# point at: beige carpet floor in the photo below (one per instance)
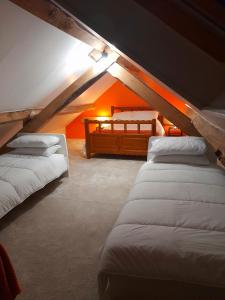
(55, 236)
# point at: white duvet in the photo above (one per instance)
(172, 227)
(22, 175)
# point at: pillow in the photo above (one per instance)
(124, 115)
(144, 115)
(37, 151)
(185, 145)
(34, 141)
(136, 115)
(181, 159)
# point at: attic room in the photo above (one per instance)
(112, 145)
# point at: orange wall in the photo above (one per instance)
(117, 95)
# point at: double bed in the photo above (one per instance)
(126, 133)
(169, 239)
(23, 175)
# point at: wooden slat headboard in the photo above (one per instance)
(133, 108)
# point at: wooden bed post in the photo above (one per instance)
(87, 138)
(153, 127)
(112, 110)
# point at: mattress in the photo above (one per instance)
(172, 228)
(22, 175)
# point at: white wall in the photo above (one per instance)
(37, 60)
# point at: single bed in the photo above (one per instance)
(126, 133)
(169, 239)
(23, 175)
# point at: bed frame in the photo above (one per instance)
(123, 142)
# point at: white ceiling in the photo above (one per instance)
(37, 61)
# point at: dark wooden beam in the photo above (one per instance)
(54, 15)
(200, 22)
(77, 108)
(155, 100)
(7, 131)
(71, 93)
(67, 110)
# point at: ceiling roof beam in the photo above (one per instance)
(71, 93)
(7, 117)
(23, 115)
(70, 109)
(8, 131)
(155, 100)
(56, 16)
(77, 108)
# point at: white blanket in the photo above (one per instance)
(22, 175)
(172, 227)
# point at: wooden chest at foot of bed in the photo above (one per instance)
(126, 144)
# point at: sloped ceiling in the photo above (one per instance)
(37, 61)
(167, 55)
(59, 122)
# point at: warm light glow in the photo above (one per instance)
(115, 70)
(103, 118)
(102, 63)
(77, 60)
(104, 126)
(187, 105)
(103, 113)
(95, 55)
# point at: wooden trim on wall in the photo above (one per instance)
(77, 108)
(73, 91)
(7, 117)
(155, 100)
(24, 115)
(67, 110)
(56, 16)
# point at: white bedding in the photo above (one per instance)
(22, 175)
(172, 227)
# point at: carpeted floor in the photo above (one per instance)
(55, 236)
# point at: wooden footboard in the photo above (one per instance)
(113, 141)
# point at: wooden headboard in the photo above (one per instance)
(133, 108)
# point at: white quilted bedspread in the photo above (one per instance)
(172, 227)
(22, 175)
